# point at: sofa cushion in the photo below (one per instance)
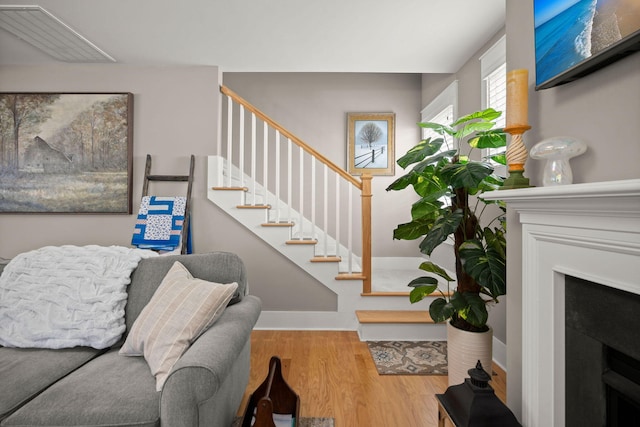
(26, 372)
(181, 309)
(219, 267)
(111, 390)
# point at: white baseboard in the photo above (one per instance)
(307, 320)
(500, 353)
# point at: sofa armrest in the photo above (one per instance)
(217, 360)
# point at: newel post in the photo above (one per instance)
(366, 232)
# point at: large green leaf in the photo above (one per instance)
(404, 181)
(441, 310)
(475, 311)
(440, 158)
(473, 127)
(412, 230)
(494, 138)
(429, 183)
(426, 208)
(496, 240)
(487, 115)
(500, 158)
(422, 288)
(490, 183)
(468, 175)
(430, 267)
(438, 128)
(487, 266)
(442, 228)
(425, 148)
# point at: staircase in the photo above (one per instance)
(303, 206)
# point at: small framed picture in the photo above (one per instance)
(370, 143)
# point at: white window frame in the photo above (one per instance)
(494, 58)
(448, 97)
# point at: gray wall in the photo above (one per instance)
(175, 115)
(603, 109)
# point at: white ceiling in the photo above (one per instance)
(412, 36)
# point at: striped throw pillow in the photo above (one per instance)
(179, 311)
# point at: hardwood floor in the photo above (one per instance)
(334, 375)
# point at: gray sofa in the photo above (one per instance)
(88, 387)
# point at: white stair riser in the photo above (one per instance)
(402, 331)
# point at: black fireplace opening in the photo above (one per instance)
(622, 379)
(602, 355)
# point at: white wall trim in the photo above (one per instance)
(449, 96)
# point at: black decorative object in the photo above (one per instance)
(474, 403)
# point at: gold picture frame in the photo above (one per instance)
(371, 143)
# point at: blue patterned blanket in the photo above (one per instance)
(160, 222)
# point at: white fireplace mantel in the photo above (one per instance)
(590, 231)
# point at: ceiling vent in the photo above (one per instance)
(41, 29)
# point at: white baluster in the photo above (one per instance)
(277, 177)
(301, 184)
(253, 156)
(265, 163)
(325, 215)
(229, 140)
(313, 197)
(241, 146)
(289, 192)
(337, 195)
(350, 228)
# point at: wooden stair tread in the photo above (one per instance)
(230, 188)
(393, 316)
(278, 224)
(253, 206)
(401, 294)
(302, 242)
(352, 276)
(326, 259)
(386, 294)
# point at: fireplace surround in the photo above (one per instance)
(587, 231)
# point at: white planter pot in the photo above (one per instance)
(464, 349)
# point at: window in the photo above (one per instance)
(443, 109)
(494, 88)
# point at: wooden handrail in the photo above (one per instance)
(356, 183)
(363, 184)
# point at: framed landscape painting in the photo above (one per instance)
(370, 143)
(66, 152)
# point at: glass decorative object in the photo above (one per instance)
(557, 151)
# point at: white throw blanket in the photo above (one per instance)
(66, 296)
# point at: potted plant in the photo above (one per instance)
(450, 186)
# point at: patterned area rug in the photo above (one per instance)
(409, 357)
(304, 422)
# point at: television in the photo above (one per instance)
(574, 38)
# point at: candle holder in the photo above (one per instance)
(516, 157)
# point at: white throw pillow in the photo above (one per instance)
(179, 311)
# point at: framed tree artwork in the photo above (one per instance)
(370, 143)
(66, 152)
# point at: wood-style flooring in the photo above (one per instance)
(334, 375)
